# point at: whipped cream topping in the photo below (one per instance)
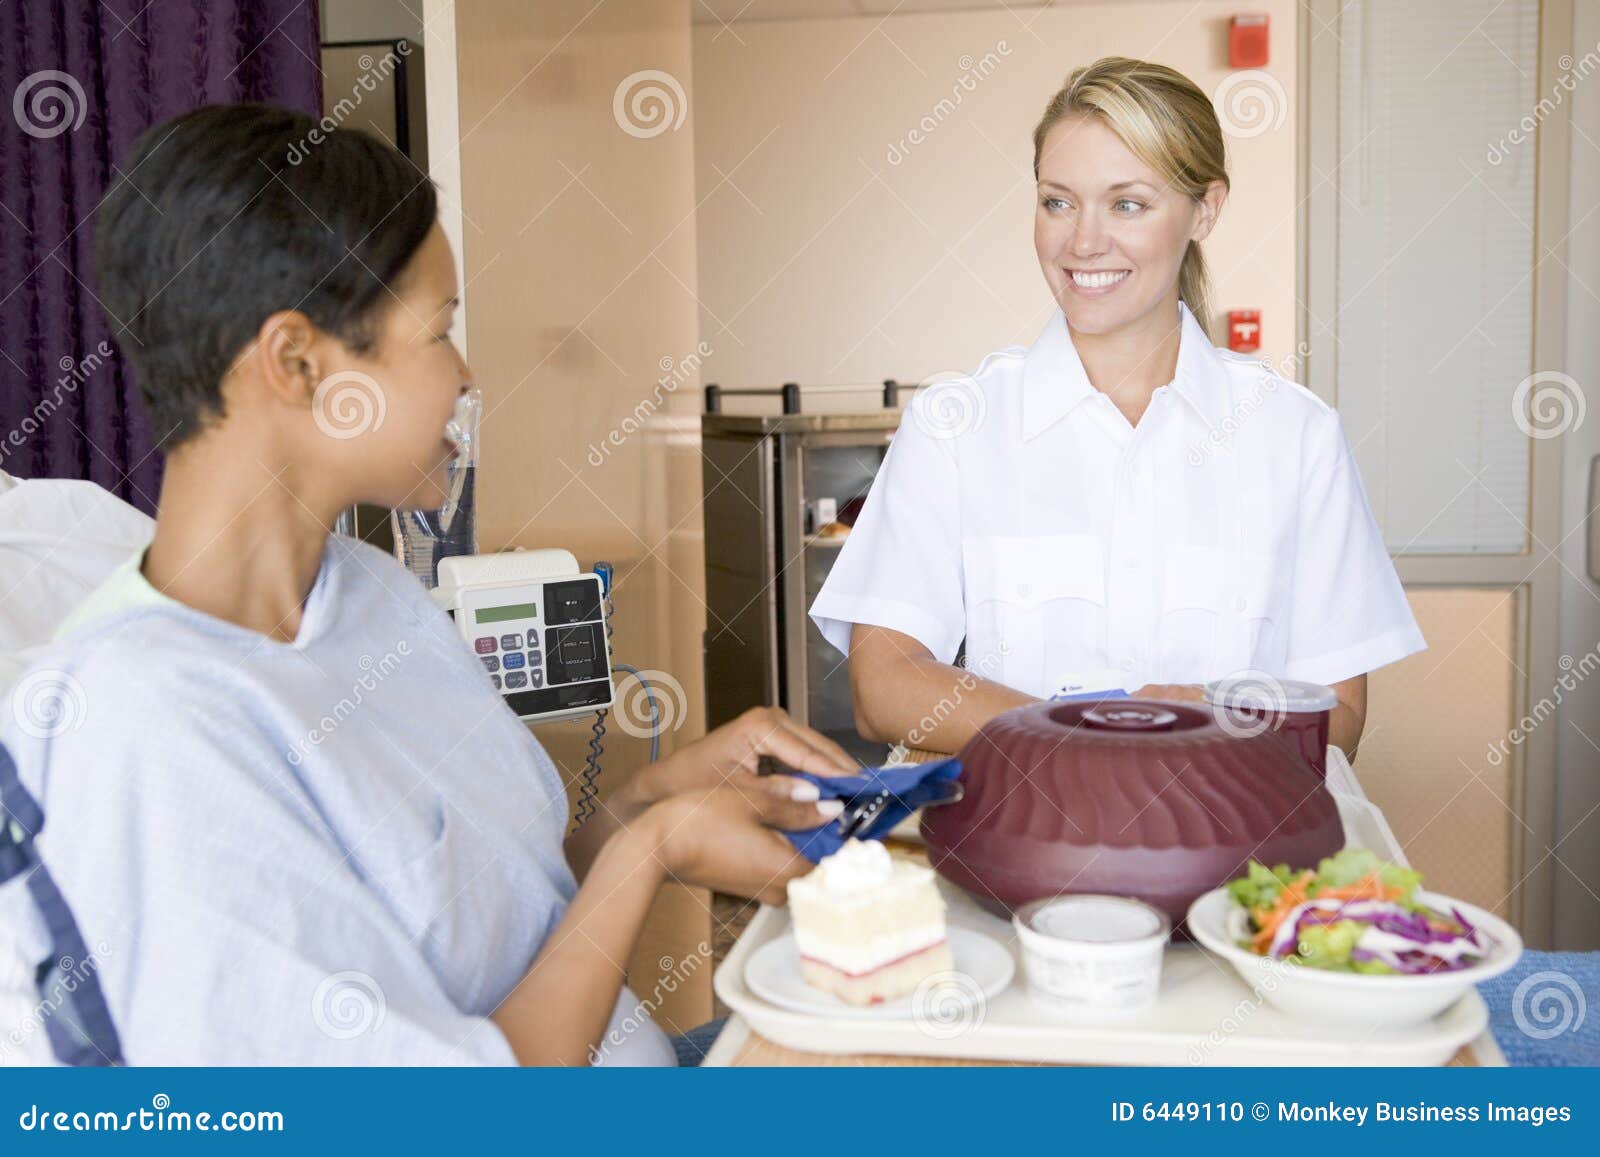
(859, 866)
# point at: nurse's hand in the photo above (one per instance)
(1184, 692)
(728, 839)
(731, 754)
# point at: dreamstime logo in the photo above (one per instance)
(948, 405)
(49, 703)
(948, 1004)
(649, 103)
(347, 1005)
(373, 672)
(373, 74)
(1267, 383)
(74, 372)
(674, 973)
(49, 103)
(1573, 672)
(348, 404)
(972, 72)
(1250, 103)
(1571, 73)
(1548, 404)
(654, 703)
(64, 979)
(1270, 975)
(1248, 703)
(966, 681)
(674, 373)
(1547, 1004)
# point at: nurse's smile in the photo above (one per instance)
(1096, 283)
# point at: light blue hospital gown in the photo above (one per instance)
(344, 850)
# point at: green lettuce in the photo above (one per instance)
(1329, 945)
(1260, 885)
(1352, 864)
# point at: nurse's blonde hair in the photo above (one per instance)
(1167, 122)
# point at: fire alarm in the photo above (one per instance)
(1247, 40)
(1244, 330)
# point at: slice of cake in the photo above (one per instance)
(869, 927)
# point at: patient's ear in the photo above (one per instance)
(287, 354)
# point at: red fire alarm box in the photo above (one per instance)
(1244, 330)
(1247, 40)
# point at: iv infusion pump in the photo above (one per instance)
(537, 624)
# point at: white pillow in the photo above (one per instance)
(59, 539)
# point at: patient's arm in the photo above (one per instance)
(902, 694)
(718, 839)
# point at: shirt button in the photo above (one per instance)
(1024, 589)
(1127, 664)
(1239, 604)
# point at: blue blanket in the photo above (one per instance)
(1545, 1012)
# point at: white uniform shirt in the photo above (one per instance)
(1227, 532)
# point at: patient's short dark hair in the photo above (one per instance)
(225, 215)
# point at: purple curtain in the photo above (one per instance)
(80, 79)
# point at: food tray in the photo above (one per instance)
(1206, 1014)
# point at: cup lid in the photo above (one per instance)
(1094, 919)
(1263, 692)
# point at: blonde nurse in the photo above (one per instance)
(1120, 504)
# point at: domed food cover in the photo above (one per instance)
(1126, 797)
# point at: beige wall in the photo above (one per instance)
(580, 271)
(823, 260)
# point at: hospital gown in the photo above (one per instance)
(344, 850)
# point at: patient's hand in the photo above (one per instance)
(730, 755)
(728, 838)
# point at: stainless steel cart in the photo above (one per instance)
(769, 481)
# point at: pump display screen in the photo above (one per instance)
(502, 614)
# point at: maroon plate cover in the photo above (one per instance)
(1126, 797)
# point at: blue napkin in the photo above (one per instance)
(910, 786)
(1545, 1012)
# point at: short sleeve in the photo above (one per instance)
(224, 922)
(901, 566)
(1350, 614)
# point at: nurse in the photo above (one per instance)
(282, 799)
(1120, 504)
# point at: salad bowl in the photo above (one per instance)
(1365, 995)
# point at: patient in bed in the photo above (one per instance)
(294, 820)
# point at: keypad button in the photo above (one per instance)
(496, 679)
(514, 660)
(515, 679)
(510, 642)
(536, 678)
(484, 645)
(490, 662)
(533, 660)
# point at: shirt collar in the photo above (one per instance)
(1054, 382)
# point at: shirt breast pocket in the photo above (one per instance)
(1222, 612)
(408, 860)
(1030, 600)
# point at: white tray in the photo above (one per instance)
(1206, 1014)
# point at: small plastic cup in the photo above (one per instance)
(1092, 957)
(1296, 709)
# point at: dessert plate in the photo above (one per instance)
(983, 968)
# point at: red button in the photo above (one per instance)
(485, 645)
